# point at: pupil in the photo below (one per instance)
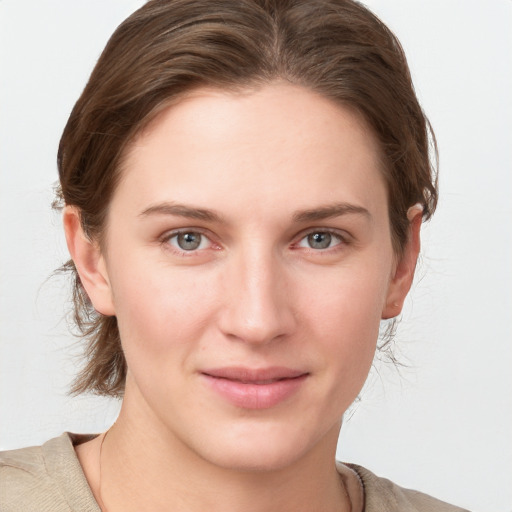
(319, 240)
(189, 241)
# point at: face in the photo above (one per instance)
(248, 260)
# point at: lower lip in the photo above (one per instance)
(255, 396)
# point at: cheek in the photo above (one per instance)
(348, 299)
(344, 315)
(350, 337)
(162, 318)
(160, 309)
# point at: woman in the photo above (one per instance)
(243, 187)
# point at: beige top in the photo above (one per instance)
(49, 478)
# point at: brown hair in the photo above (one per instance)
(334, 47)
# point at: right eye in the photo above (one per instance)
(188, 241)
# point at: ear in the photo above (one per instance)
(401, 281)
(89, 262)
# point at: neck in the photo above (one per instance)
(145, 467)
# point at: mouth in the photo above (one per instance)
(255, 388)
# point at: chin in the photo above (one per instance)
(253, 458)
(261, 448)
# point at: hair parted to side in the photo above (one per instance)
(337, 48)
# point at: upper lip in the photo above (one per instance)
(254, 376)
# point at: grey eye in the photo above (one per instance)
(320, 240)
(188, 241)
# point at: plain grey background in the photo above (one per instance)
(443, 423)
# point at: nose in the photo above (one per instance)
(258, 303)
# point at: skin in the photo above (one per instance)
(271, 166)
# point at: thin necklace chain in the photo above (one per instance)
(100, 498)
(348, 501)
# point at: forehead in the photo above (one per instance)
(254, 145)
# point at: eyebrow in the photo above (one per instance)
(182, 210)
(311, 215)
(329, 211)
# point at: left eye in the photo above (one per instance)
(320, 240)
(189, 241)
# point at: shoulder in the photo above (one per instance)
(382, 495)
(44, 478)
(24, 479)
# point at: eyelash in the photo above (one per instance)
(166, 239)
(342, 240)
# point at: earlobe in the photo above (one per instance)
(89, 262)
(404, 272)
